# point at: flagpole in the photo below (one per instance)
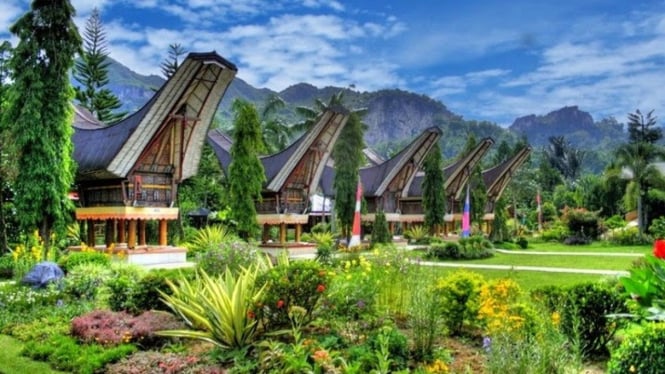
(466, 216)
(540, 211)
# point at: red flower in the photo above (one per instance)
(320, 288)
(659, 248)
(280, 304)
(251, 315)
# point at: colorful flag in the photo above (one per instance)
(466, 216)
(355, 235)
(540, 212)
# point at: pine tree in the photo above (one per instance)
(91, 70)
(434, 199)
(40, 115)
(172, 62)
(246, 174)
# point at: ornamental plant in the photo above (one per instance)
(646, 283)
(640, 352)
(297, 283)
(459, 297)
(219, 310)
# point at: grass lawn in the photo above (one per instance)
(597, 246)
(559, 261)
(13, 362)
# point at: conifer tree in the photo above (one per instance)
(348, 156)
(434, 199)
(246, 174)
(6, 169)
(172, 62)
(380, 230)
(91, 70)
(40, 114)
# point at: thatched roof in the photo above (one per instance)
(196, 88)
(300, 163)
(496, 178)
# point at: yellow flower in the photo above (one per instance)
(632, 369)
(556, 318)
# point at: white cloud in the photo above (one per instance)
(9, 12)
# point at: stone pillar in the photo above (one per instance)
(163, 232)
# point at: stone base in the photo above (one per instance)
(156, 255)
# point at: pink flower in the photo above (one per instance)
(280, 304)
(320, 288)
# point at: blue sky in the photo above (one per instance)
(485, 60)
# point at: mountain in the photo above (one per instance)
(576, 125)
(394, 117)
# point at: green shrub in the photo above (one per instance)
(208, 238)
(154, 284)
(615, 222)
(380, 231)
(416, 235)
(657, 228)
(298, 283)
(522, 242)
(584, 310)
(557, 232)
(640, 352)
(583, 223)
(444, 251)
(64, 353)
(123, 287)
(320, 227)
(6, 266)
(628, 236)
(458, 294)
(471, 248)
(73, 259)
(87, 280)
(232, 254)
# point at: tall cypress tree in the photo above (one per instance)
(91, 70)
(7, 171)
(40, 115)
(434, 199)
(348, 156)
(246, 174)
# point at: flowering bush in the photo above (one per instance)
(87, 280)
(353, 289)
(149, 362)
(29, 253)
(17, 299)
(86, 255)
(459, 297)
(640, 352)
(113, 328)
(233, 254)
(299, 283)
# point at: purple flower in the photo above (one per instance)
(59, 303)
(360, 304)
(487, 343)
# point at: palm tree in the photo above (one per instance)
(311, 114)
(638, 155)
(276, 133)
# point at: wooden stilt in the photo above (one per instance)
(142, 242)
(266, 233)
(282, 233)
(91, 233)
(109, 232)
(122, 237)
(163, 232)
(131, 234)
(298, 232)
